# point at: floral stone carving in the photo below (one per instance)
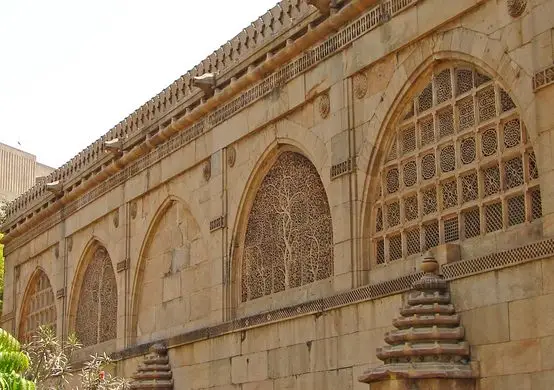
(289, 236)
(96, 317)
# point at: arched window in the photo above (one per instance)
(289, 236)
(457, 166)
(39, 307)
(96, 316)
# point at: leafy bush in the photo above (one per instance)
(51, 367)
(13, 363)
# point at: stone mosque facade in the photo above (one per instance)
(348, 194)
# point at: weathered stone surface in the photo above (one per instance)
(310, 312)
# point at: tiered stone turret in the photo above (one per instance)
(155, 373)
(428, 342)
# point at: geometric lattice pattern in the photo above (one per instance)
(39, 308)
(289, 236)
(458, 166)
(96, 316)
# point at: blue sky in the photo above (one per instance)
(71, 70)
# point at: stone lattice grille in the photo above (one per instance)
(289, 236)
(96, 316)
(39, 308)
(459, 166)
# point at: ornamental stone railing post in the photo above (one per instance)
(155, 372)
(427, 350)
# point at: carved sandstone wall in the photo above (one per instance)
(187, 221)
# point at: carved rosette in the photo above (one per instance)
(155, 371)
(429, 341)
(324, 105)
(360, 85)
(516, 7)
(231, 156)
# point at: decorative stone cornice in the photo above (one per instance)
(193, 123)
(428, 341)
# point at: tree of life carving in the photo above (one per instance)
(96, 316)
(289, 236)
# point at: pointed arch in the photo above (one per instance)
(39, 305)
(454, 162)
(93, 310)
(173, 243)
(284, 232)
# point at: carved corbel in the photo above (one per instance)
(206, 83)
(55, 187)
(324, 6)
(114, 146)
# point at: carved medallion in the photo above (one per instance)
(207, 171)
(231, 156)
(360, 85)
(516, 7)
(324, 105)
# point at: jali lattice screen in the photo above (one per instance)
(289, 237)
(96, 316)
(39, 308)
(459, 165)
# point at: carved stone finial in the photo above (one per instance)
(155, 371)
(206, 83)
(428, 343)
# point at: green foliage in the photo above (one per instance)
(50, 359)
(1, 274)
(51, 367)
(13, 363)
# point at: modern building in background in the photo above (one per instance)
(19, 171)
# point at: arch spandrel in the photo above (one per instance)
(94, 309)
(39, 306)
(455, 163)
(288, 239)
